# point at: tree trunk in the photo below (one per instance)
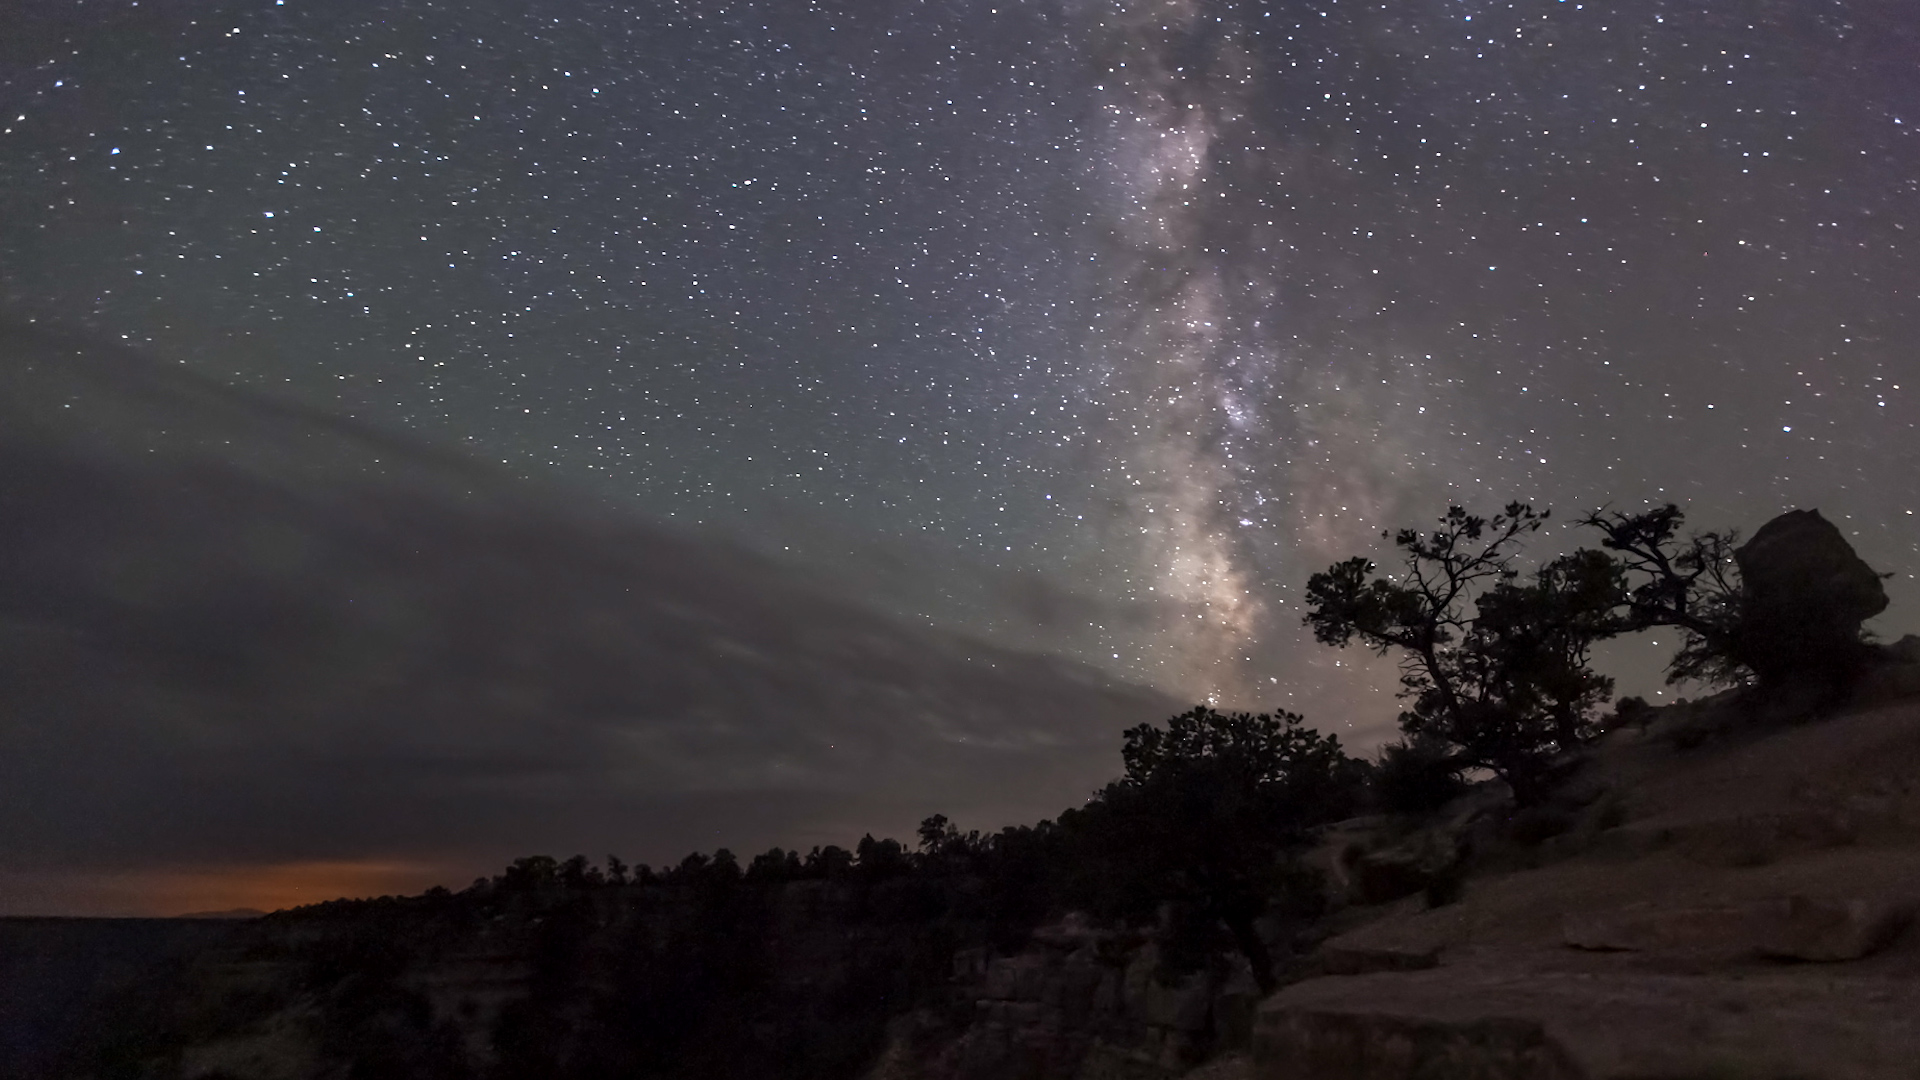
(1255, 950)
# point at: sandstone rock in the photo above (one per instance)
(1015, 978)
(1496, 1024)
(1110, 996)
(1234, 1066)
(1023, 1014)
(1339, 958)
(1105, 1061)
(1758, 839)
(1137, 979)
(1802, 928)
(1387, 874)
(1799, 557)
(1074, 931)
(971, 963)
(1789, 928)
(1645, 927)
(1186, 1007)
(1806, 594)
(1234, 1006)
(1079, 981)
(1374, 1046)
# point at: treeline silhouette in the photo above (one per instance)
(792, 965)
(784, 964)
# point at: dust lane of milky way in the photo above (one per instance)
(1088, 326)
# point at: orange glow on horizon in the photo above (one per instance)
(185, 890)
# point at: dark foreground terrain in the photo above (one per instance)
(1708, 895)
(56, 975)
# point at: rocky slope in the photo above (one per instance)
(1715, 892)
(1723, 901)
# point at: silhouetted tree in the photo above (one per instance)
(1492, 663)
(530, 874)
(1417, 775)
(774, 865)
(1785, 608)
(1690, 583)
(578, 873)
(1206, 819)
(937, 834)
(829, 861)
(880, 858)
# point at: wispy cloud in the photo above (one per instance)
(238, 635)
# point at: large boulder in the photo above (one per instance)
(1387, 874)
(1805, 594)
(1800, 560)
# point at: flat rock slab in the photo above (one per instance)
(1466, 1023)
(1341, 957)
(1787, 928)
(1648, 928)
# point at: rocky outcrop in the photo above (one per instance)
(1799, 565)
(1739, 908)
(1080, 1003)
(1388, 873)
(1377, 860)
(1743, 907)
(1804, 596)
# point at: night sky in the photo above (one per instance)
(1087, 328)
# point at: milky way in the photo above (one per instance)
(1093, 327)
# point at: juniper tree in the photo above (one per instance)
(1494, 663)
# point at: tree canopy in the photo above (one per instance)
(1495, 663)
(1205, 822)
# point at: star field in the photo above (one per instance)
(1089, 325)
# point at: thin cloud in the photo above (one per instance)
(242, 635)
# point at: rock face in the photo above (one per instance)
(1806, 594)
(1080, 1003)
(1801, 558)
(1385, 874)
(1464, 1023)
(1366, 869)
